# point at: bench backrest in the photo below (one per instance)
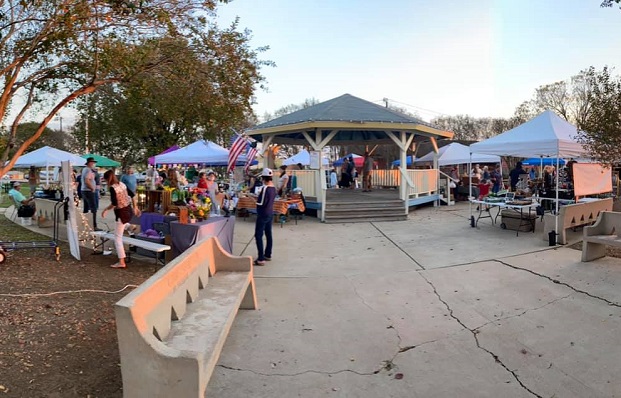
(584, 213)
(164, 297)
(608, 223)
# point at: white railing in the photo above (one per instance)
(424, 182)
(306, 179)
(386, 178)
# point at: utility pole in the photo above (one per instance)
(386, 101)
(86, 135)
(60, 119)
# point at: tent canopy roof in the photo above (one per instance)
(456, 153)
(545, 135)
(354, 119)
(102, 161)
(48, 156)
(202, 152)
(170, 149)
(302, 157)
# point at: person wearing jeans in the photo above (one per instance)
(265, 211)
(89, 190)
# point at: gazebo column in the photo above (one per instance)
(267, 141)
(318, 143)
(435, 167)
(403, 142)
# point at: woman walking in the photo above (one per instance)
(122, 200)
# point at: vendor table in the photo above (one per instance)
(185, 235)
(45, 212)
(485, 211)
(281, 206)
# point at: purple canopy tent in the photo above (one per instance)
(152, 158)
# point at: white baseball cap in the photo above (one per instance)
(267, 173)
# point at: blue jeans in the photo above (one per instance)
(263, 225)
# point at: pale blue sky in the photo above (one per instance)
(481, 58)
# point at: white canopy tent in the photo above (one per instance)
(546, 135)
(302, 157)
(199, 152)
(46, 157)
(456, 153)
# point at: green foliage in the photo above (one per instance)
(609, 3)
(205, 90)
(54, 51)
(601, 133)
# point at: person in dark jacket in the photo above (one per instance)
(265, 212)
(515, 174)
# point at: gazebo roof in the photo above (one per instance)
(354, 119)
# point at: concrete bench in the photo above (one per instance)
(605, 232)
(573, 216)
(150, 246)
(171, 329)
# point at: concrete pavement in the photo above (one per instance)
(428, 307)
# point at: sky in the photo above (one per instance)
(481, 58)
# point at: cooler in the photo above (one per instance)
(515, 221)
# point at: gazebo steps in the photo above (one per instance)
(365, 211)
(338, 220)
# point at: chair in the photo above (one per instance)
(16, 206)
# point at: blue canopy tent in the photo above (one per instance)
(542, 161)
(408, 162)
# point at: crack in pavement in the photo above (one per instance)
(523, 312)
(476, 338)
(297, 374)
(612, 303)
(398, 247)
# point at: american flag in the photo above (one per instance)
(250, 155)
(237, 148)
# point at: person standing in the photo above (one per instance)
(212, 190)
(496, 179)
(265, 213)
(129, 179)
(123, 201)
(367, 170)
(351, 171)
(515, 174)
(345, 177)
(33, 180)
(333, 179)
(89, 190)
(202, 180)
(283, 180)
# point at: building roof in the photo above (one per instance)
(356, 121)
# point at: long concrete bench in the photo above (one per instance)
(145, 244)
(605, 232)
(573, 216)
(171, 328)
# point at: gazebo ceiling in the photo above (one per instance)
(354, 120)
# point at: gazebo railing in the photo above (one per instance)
(306, 180)
(425, 182)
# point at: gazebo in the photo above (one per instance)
(348, 120)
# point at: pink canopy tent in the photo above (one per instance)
(152, 158)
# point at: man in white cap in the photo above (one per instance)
(18, 196)
(265, 213)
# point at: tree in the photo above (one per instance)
(609, 3)
(54, 51)
(205, 93)
(600, 132)
(58, 139)
(567, 98)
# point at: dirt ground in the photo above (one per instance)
(57, 339)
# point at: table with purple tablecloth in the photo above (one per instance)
(185, 235)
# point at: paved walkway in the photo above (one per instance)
(427, 307)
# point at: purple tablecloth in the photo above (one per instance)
(185, 235)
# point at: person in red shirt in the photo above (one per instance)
(202, 181)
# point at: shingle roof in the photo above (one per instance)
(345, 108)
